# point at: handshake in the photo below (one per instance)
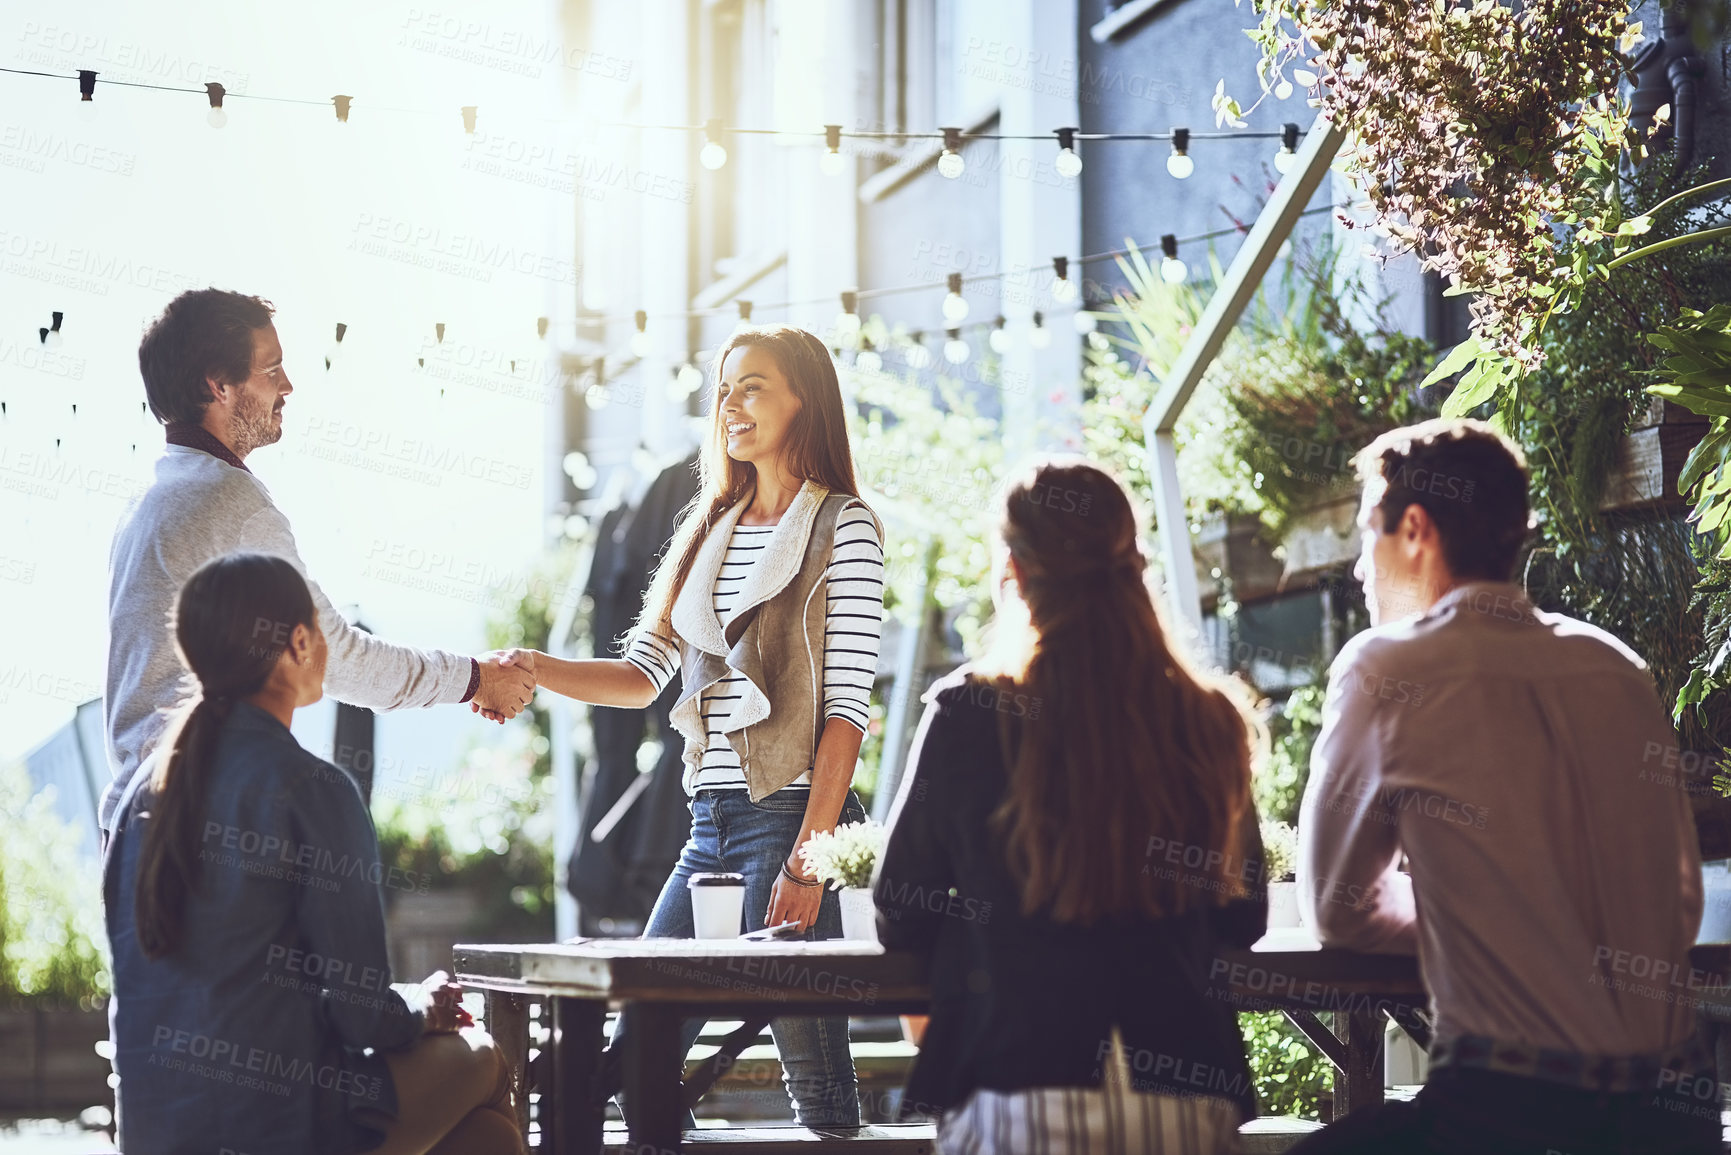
(507, 684)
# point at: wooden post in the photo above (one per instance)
(576, 1042)
(508, 1023)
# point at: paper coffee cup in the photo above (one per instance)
(717, 904)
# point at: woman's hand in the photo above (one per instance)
(791, 901)
(444, 1009)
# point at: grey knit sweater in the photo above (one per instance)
(200, 508)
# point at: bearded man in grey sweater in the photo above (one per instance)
(213, 374)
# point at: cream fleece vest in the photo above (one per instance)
(774, 638)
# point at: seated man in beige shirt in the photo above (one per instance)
(1512, 756)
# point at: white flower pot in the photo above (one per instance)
(1282, 904)
(858, 915)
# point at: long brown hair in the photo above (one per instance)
(232, 619)
(1121, 740)
(817, 450)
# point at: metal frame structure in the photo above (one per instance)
(1243, 277)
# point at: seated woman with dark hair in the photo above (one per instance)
(253, 1009)
(1030, 856)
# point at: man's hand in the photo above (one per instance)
(507, 684)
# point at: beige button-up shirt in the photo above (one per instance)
(1523, 763)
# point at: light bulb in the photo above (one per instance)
(918, 357)
(87, 109)
(1283, 90)
(690, 378)
(999, 341)
(216, 118)
(1173, 271)
(641, 345)
(1085, 321)
(1063, 290)
(1068, 163)
(1180, 166)
(951, 164)
(1040, 337)
(868, 361)
(1283, 160)
(832, 163)
(955, 308)
(596, 396)
(53, 340)
(712, 157)
(846, 324)
(956, 350)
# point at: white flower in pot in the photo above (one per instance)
(1280, 860)
(844, 858)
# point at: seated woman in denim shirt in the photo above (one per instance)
(253, 1009)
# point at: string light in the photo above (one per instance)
(999, 338)
(713, 155)
(51, 338)
(950, 162)
(1172, 270)
(1288, 154)
(595, 396)
(86, 93)
(690, 378)
(1039, 336)
(744, 312)
(1068, 165)
(847, 321)
(955, 349)
(336, 347)
(917, 356)
(641, 345)
(955, 305)
(1179, 163)
(867, 359)
(541, 327)
(216, 117)
(469, 111)
(1085, 322)
(832, 161)
(342, 105)
(439, 331)
(1063, 288)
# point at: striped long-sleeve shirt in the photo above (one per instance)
(853, 623)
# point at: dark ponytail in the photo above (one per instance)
(232, 620)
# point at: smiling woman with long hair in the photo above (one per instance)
(1073, 837)
(769, 602)
(253, 1008)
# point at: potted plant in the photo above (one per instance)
(844, 858)
(1280, 859)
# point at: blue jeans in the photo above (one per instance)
(730, 832)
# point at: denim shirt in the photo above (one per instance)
(250, 1035)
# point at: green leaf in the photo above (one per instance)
(1457, 360)
(1709, 454)
(1709, 404)
(1693, 691)
(1475, 389)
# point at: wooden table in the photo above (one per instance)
(1289, 971)
(670, 980)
